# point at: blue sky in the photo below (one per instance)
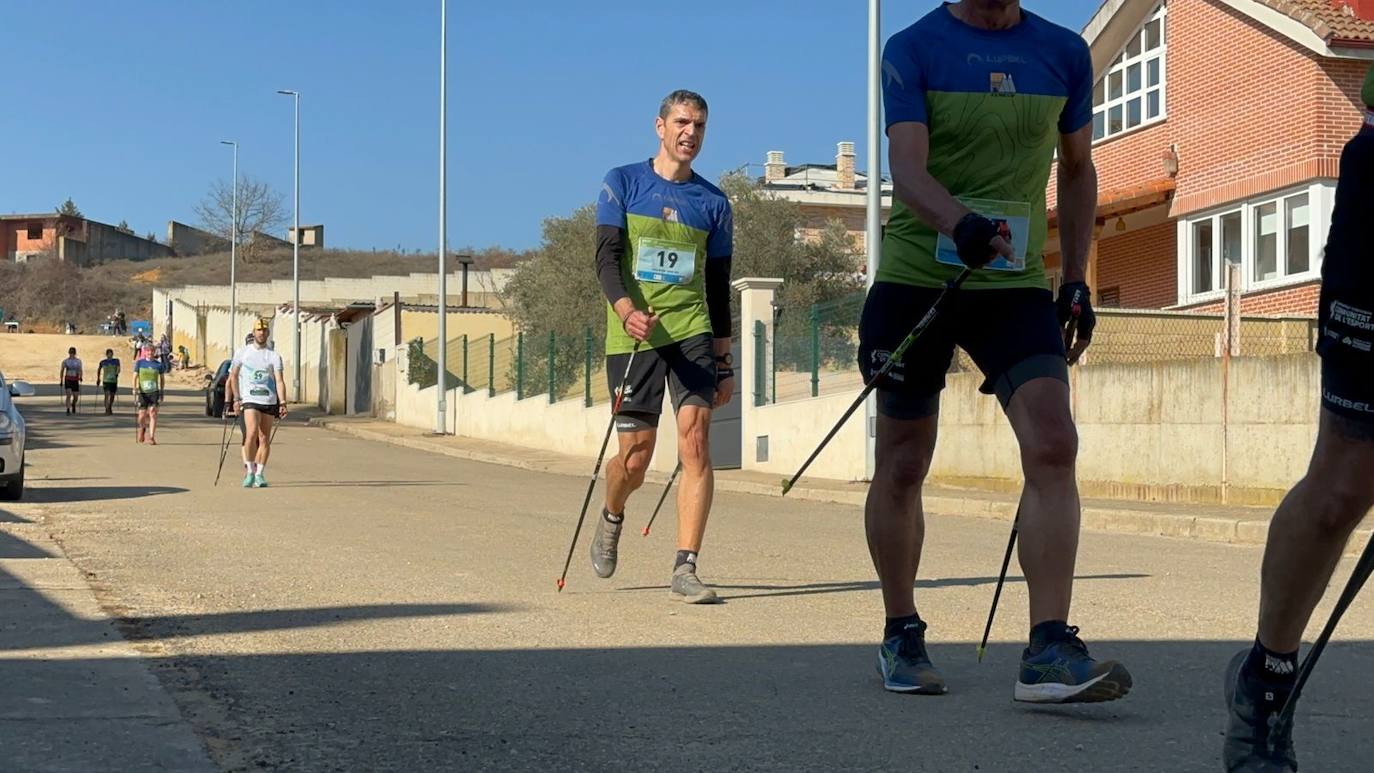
(122, 105)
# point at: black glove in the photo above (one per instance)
(1075, 310)
(973, 237)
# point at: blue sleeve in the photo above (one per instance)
(610, 203)
(1078, 109)
(721, 242)
(904, 83)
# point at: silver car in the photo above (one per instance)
(12, 439)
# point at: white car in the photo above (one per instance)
(12, 439)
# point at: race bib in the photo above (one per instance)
(259, 384)
(665, 262)
(147, 384)
(1013, 224)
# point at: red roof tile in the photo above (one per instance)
(1335, 21)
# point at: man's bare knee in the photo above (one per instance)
(636, 460)
(694, 447)
(1053, 447)
(903, 468)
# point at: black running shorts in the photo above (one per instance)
(72, 385)
(1346, 345)
(688, 367)
(146, 400)
(111, 388)
(1013, 335)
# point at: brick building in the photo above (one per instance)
(73, 239)
(1218, 129)
(826, 192)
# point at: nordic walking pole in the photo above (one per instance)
(224, 438)
(666, 489)
(1001, 578)
(1363, 568)
(1016, 522)
(615, 408)
(872, 384)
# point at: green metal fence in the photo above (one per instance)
(813, 351)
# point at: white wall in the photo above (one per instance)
(566, 427)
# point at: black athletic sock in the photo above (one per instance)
(896, 625)
(1266, 665)
(685, 557)
(610, 518)
(1044, 634)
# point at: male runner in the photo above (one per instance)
(664, 241)
(1311, 526)
(255, 388)
(108, 373)
(978, 95)
(70, 376)
(149, 382)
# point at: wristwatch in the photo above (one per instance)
(727, 359)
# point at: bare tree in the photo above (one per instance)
(260, 210)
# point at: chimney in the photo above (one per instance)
(844, 166)
(775, 169)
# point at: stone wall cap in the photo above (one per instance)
(756, 283)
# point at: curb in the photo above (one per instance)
(1232, 531)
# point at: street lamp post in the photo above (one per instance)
(234, 256)
(441, 424)
(874, 236)
(296, 253)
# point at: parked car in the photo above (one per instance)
(12, 435)
(214, 390)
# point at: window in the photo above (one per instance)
(35, 231)
(1271, 239)
(1204, 277)
(1298, 245)
(1109, 297)
(1131, 92)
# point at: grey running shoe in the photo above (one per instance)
(688, 589)
(605, 545)
(905, 666)
(1254, 741)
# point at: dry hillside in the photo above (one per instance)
(45, 294)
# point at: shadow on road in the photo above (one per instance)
(14, 547)
(810, 589)
(7, 517)
(364, 483)
(97, 493)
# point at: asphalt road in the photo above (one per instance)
(380, 608)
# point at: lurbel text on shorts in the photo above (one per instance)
(1352, 316)
(1350, 405)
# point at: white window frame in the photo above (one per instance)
(1321, 197)
(1122, 64)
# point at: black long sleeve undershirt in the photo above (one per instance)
(718, 295)
(610, 254)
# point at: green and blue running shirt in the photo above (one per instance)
(995, 103)
(148, 376)
(671, 230)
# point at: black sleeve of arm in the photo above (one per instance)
(610, 254)
(718, 295)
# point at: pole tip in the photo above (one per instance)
(786, 487)
(560, 584)
(981, 650)
(646, 531)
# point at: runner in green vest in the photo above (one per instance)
(149, 379)
(108, 374)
